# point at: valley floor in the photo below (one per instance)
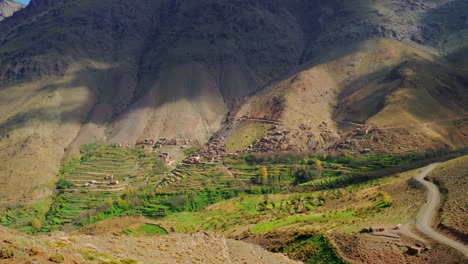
(312, 208)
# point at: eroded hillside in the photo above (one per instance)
(106, 247)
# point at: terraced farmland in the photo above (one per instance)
(107, 181)
(242, 173)
(231, 176)
(103, 175)
(193, 177)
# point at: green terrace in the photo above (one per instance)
(106, 181)
(257, 194)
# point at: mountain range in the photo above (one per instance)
(182, 131)
(78, 72)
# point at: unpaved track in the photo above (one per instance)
(427, 213)
(458, 118)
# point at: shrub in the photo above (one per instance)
(57, 258)
(303, 175)
(318, 164)
(312, 249)
(262, 176)
(36, 224)
(128, 261)
(64, 184)
(177, 202)
(384, 200)
(34, 251)
(6, 252)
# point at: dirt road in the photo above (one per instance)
(425, 217)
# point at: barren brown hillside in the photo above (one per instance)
(408, 97)
(111, 248)
(451, 178)
(7, 8)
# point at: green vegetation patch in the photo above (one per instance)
(190, 151)
(105, 181)
(146, 230)
(266, 227)
(27, 219)
(246, 136)
(99, 257)
(91, 185)
(313, 249)
(57, 258)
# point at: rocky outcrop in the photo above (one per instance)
(201, 247)
(7, 8)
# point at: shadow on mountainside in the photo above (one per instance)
(263, 46)
(446, 25)
(368, 95)
(241, 47)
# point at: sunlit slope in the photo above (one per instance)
(380, 83)
(7, 8)
(77, 72)
(102, 247)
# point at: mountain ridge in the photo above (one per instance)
(112, 72)
(8, 8)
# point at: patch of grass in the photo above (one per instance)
(146, 230)
(190, 151)
(64, 184)
(313, 249)
(98, 257)
(21, 217)
(150, 229)
(246, 136)
(266, 227)
(70, 165)
(57, 258)
(384, 200)
(89, 148)
(7, 252)
(128, 261)
(245, 210)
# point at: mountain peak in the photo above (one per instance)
(8, 7)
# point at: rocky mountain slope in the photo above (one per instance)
(76, 72)
(110, 248)
(7, 8)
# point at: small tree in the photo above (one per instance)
(36, 224)
(110, 204)
(130, 192)
(302, 176)
(262, 175)
(318, 165)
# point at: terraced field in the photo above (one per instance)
(108, 181)
(282, 173)
(231, 176)
(186, 177)
(104, 174)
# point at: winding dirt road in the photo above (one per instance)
(426, 215)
